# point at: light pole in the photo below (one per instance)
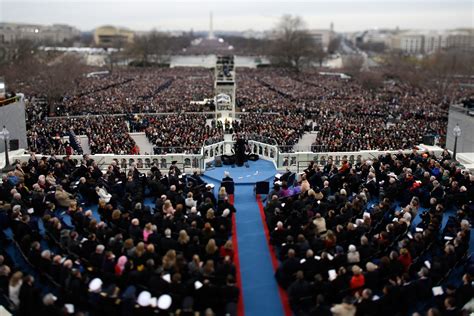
(456, 133)
(5, 135)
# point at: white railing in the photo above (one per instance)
(299, 160)
(186, 162)
(296, 161)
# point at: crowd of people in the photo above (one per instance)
(105, 134)
(128, 257)
(185, 133)
(342, 114)
(140, 91)
(275, 129)
(381, 237)
(346, 116)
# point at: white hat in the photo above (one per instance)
(210, 185)
(278, 182)
(95, 285)
(197, 285)
(278, 175)
(164, 302)
(144, 299)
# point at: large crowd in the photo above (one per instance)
(185, 133)
(59, 256)
(105, 134)
(275, 129)
(341, 113)
(376, 237)
(365, 239)
(344, 115)
(140, 91)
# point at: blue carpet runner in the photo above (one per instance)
(259, 287)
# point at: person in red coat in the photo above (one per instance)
(405, 258)
(227, 250)
(358, 280)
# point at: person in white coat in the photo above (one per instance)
(14, 287)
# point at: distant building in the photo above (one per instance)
(462, 40)
(322, 37)
(56, 33)
(410, 43)
(375, 37)
(109, 36)
(418, 42)
(434, 42)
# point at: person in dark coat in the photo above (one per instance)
(29, 297)
(285, 273)
(297, 292)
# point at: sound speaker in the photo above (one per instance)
(262, 187)
(429, 140)
(253, 157)
(218, 161)
(228, 159)
(14, 144)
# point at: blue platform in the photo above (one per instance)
(260, 170)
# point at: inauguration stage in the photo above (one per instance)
(260, 170)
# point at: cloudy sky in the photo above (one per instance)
(347, 15)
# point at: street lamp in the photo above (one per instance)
(5, 135)
(456, 133)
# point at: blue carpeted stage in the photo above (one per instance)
(259, 170)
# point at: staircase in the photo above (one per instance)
(143, 143)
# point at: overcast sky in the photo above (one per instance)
(347, 15)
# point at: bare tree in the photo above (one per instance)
(443, 68)
(150, 47)
(334, 44)
(370, 80)
(293, 46)
(352, 64)
(404, 69)
(21, 64)
(59, 78)
(248, 46)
